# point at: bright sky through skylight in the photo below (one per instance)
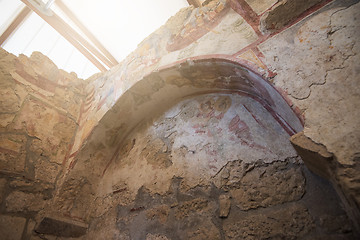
(120, 25)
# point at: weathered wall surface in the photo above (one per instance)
(316, 62)
(230, 30)
(304, 55)
(215, 166)
(308, 50)
(195, 140)
(39, 108)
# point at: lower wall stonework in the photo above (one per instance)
(209, 212)
(192, 184)
(39, 106)
(214, 166)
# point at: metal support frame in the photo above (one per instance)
(89, 51)
(87, 33)
(16, 23)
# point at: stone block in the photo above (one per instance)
(51, 127)
(189, 207)
(268, 186)
(30, 227)
(289, 222)
(204, 230)
(24, 202)
(12, 152)
(254, 185)
(46, 171)
(61, 227)
(11, 228)
(9, 101)
(6, 119)
(2, 188)
(315, 156)
(224, 205)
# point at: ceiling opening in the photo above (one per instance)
(83, 36)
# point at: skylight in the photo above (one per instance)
(118, 25)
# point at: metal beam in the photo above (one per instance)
(20, 18)
(87, 33)
(69, 34)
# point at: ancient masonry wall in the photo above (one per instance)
(122, 168)
(215, 166)
(308, 50)
(302, 47)
(39, 112)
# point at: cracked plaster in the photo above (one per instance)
(317, 64)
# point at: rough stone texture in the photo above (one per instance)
(11, 228)
(261, 185)
(224, 205)
(326, 87)
(290, 222)
(104, 227)
(23, 202)
(47, 125)
(283, 13)
(43, 166)
(12, 152)
(39, 107)
(30, 227)
(265, 186)
(316, 156)
(267, 198)
(183, 213)
(139, 154)
(3, 183)
(223, 128)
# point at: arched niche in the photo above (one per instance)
(151, 97)
(160, 90)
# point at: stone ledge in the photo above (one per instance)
(315, 156)
(61, 227)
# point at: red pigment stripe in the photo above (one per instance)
(246, 12)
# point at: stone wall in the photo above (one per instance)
(39, 110)
(301, 48)
(214, 166)
(316, 64)
(227, 171)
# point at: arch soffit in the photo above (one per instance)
(158, 91)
